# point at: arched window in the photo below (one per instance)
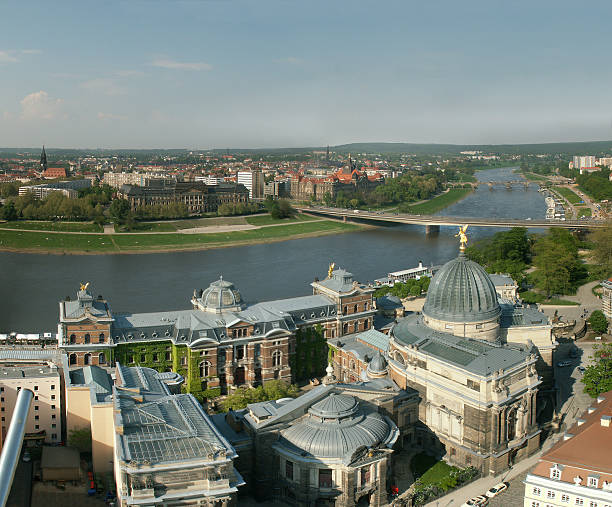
(398, 357)
(101, 358)
(345, 328)
(87, 338)
(355, 309)
(365, 324)
(205, 369)
(73, 359)
(87, 359)
(365, 306)
(276, 358)
(101, 338)
(352, 365)
(72, 338)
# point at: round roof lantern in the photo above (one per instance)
(221, 296)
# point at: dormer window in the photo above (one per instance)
(555, 472)
(593, 481)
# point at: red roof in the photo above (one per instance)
(54, 172)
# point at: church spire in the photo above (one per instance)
(43, 160)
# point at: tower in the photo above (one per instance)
(43, 160)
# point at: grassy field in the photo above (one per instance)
(439, 203)
(101, 243)
(52, 226)
(571, 197)
(533, 177)
(533, 297)
(269, 220)
(583, 212)
(148, 227)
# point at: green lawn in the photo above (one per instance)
(571, 196)
(52, 226)
(533, 297)
(55, 242)
(429, 469)
(533, 176)
(584, 212)
(438, 203)
(153, 241)
(269, 220)
(149, 227)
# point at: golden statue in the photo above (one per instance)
(462, 237)
(84, 286)
(331, 269)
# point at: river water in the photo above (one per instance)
(31, 285)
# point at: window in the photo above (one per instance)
(289, 469)
(167, 356)
(555, 473)
(155, 357)
(565, 498)
(325, 478)
(536, 491)
(184, 361)
(52, 387)
(36, 417)
(36, 407)
(592, 504)
(3, 418)
(276, 358)
(36, 427)
(550, 494)
(53, 396)
(101, 338)
(53, 425)
(72, 338)
(142, 358)
(448, 326)
(355, 309)
(54, 436)
(2, 409)
(52, 416)
(87, 338)
(101, 358)
(205, 369)
(36, 388)
(593, 481)
(1, 389)
(257, 350)
(579, 501)
(52, 407)
(535, 504)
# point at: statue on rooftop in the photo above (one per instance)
(84, 286)
(331, 269)
(462, 237)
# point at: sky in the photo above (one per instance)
(280, 73)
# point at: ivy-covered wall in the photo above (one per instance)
(310, 358)
(144, 355)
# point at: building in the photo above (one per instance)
(331, 446)
(584, 163)
(606, 298)
(407, 274)
(45, 417)
(505, 287)
(197, 197)
(117, 180)
(577, 470)
(221, 342)
(253, 181)
(276, 189)
(52, 173)
(473, 362)
(69, 188)
(167, 450)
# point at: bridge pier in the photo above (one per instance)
(432, 230)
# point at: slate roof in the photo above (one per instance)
(516, 316)
(340, 281)
(74, 309)
(93, 377)
(477, 356)
(498, 280)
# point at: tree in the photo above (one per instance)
(597, 377)
(602, 251)
(271, 390)
(8, 211)
(598, 322)
(81, 439)
(119, 210)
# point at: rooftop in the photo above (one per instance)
(12, 372)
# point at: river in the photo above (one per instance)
(31, 285)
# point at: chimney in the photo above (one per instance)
(580, 422)
(590, 410)
(567, 436)
(605, 421)
(600, 399)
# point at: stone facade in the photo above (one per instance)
(606, 298)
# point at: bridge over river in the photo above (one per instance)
(436, 221)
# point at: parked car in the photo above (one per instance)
(497, 489)
(477, 501)
(562, 364)
(581, 369)
(26, 457)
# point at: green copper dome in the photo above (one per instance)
(461, 292)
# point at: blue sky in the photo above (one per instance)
(216, 74)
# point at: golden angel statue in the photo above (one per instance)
(84, 286)
(331, 269)
(462, 237)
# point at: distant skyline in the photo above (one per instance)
(215, 74)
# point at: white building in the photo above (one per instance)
(577, 470)
(412, 273)
(253, 181)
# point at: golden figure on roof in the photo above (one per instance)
(331, 269)
(84, 286)
(462, 237)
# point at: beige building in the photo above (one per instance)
(45, 416)
(577, 470)
(505, 287)
(116, 180)
(606, 298)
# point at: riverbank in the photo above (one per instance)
(94, 244)
(440, 202)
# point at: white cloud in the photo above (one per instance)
(106, 86)
(129, 73)
(165, 63)
(111, 116)
(7, 57)
(40, 106)
(31, 51)
(292, 60)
